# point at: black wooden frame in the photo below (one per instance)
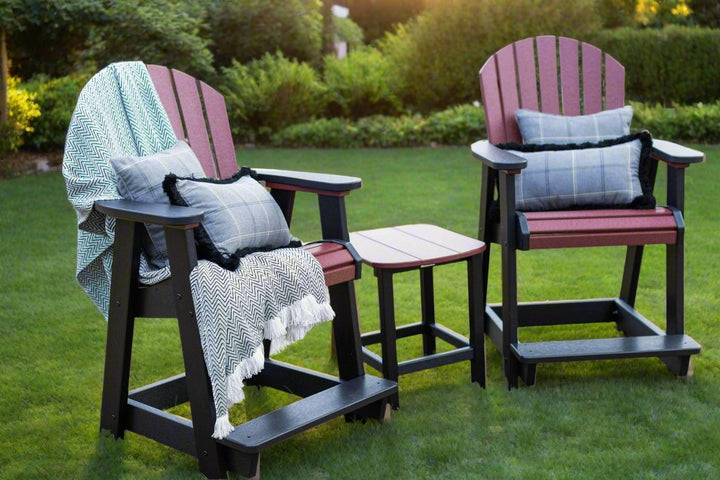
(642, 337)
(354, 394)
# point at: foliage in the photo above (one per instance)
(48, 36)
(436, 57)
(22, 109)
(657, 13)
(459, 125)
(706, 13)
(347, 31)
(689, 123)
(376, 17)
(56, 98)
(670, 65)
(165, 32)
(358, 84)
(270, 93)
(244, 30)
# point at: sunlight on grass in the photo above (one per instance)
(613, 419)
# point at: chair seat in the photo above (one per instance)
(337, 263)
(597, 228)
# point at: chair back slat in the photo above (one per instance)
(219, 124)
(614, 83)
(508, 91)
(166, 91)
(527, 77)
(547, 65)
(194, 119)
(569, 76)
(592, 79)
(551, 75)
(490, 93)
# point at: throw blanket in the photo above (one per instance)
(276, 295)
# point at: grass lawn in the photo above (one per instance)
(627, 419)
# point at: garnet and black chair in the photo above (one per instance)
(131, 109)
(580, 179)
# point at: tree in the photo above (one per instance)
(244, 30)
(50, 26)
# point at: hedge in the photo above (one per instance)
(672, 65)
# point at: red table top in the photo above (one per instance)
(408, 246)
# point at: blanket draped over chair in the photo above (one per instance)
(277, 295)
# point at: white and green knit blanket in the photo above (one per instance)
(276, 295)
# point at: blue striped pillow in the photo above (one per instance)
(541, 128)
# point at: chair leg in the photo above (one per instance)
(427, 301)
(181, 252)
(631, 274)
(121, 324)
(476, 314)
(675, 308)
(510, 315)
(117, 373)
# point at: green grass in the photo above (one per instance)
(627, 419)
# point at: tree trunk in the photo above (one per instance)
(3, 78)
(328, 27)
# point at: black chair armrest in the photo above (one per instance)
(670, 152)
(156, 213)
(497, 158)
(309, 181)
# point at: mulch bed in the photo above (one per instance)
(26, 163)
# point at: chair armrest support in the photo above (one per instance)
(673, 153)
(155, 213)
(309, 181)
(497, 158)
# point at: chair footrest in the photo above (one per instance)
(267, 430)
(606, 348)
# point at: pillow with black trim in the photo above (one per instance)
(545, 128)
(608, 174)
(141, 178)
(241, 217)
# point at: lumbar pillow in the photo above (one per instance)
(599, 175)
(241, 217)
(140, 179)
(537, 127)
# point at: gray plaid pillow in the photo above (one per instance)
(140, 179)
(536, 127)
(559, 177)
(240, 216)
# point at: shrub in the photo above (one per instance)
(270, 93)
(671, 65)
(358, 84)
(22, 109)
(698, 123)
(245, 30)
(459, 125)
(56, 98)
(435, 58)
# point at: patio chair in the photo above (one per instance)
(139, 110)
(552, 90)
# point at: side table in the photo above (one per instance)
(422, 247)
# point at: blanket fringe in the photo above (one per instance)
(246, 369)
(295, 320)
(223, 427)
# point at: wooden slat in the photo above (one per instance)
(337, 263)
(222, 142)
(605, 239)
(259, 433)
(599, 224)
(606, 348)
(614, 83)
(610, 213)
(194, 119)
(527, 78)
(410, 246)
(507, 77)
(166, 91)
(492, 107)
(547, 65)
(569, 76)
(592, 79)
